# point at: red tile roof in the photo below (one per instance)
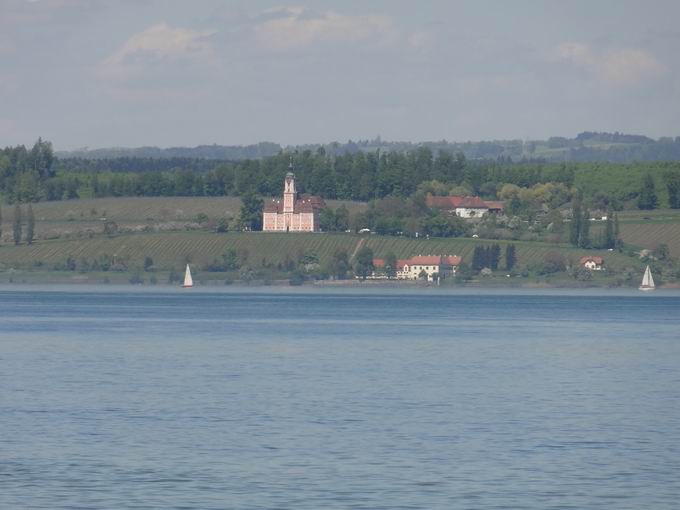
(425, 260)
(495, 205)
(304, 204)
(451, 260)
(422, 260)
(598, 260)
(454, 202)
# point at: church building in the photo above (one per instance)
(293, 213)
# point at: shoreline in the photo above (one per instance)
(517, 284)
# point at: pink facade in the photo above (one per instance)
(293, 213)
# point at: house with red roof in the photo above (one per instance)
(594, 263)
(431, 266)
(465, 207)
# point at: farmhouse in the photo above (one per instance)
(293, 213)
(593, 263)
(465, 207)
(413, 268)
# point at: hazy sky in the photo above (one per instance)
(156, 72)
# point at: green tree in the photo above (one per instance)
(584, 237)
(30, 225)
(576, 220)
(617, 232)
(339, 264)
(341, 218)
(16, 225)
(647, 199)
(363, 266)
(554, 262)
(251, 212)
(510, 257)
(672, 180)
(327, 220)
(494, 256)
(478, 258)
(231, 260)
(391, 265)
(222, 225)
(0, 223)
(609, 237)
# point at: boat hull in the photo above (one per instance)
(646, 289)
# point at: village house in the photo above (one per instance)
(412, 268)
(592, 263)
(465, 207)
(293, 213)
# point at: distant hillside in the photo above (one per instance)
(219, 152)
(586, 146)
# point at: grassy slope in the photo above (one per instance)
(648, 229)
(68, 217)
(173, 249)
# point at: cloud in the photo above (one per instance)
(631, 67)
(576, 53)
(617, 67)
(295, 28)
(158, 44)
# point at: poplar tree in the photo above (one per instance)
(609, 238)
(16, 226)
(647, 199)
(391, 265)
(584, 234)
(510, 257)
(494, 256)
(0, 223)
(30, 225)
(673, 186)
(576, 220)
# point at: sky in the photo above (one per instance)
(130, 73)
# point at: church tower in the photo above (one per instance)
(289, 191)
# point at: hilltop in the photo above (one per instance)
(586, 146)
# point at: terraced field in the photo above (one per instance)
(651, 234)
(648, 229)
(173, 249)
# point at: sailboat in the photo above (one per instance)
(647, 281)
(188, 281)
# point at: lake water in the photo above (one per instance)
(277, 399)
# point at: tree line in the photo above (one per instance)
(30, 175)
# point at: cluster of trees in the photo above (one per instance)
(579, 228)
(406, 216)
(18, 224)
(24, 173)
(29, 175)
(488, 257)
(648, 198)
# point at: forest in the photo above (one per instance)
(35, 174)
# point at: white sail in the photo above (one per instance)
(188, 281)
(647, 280)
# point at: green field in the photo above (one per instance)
(648, 229)
(74, 218)
(173, 249)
